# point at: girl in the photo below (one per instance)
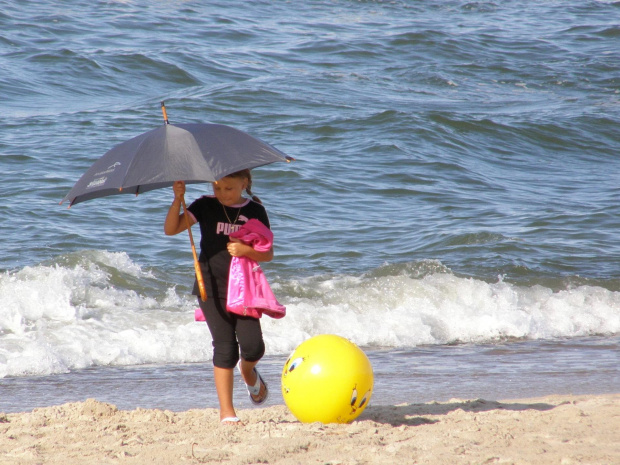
(233, 335)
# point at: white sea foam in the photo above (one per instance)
(400, 311)
(61, 317)
(56, 318)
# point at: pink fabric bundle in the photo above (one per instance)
(249, 293)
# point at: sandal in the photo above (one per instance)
(255, 390)
(230, 420)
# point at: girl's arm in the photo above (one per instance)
(175, 220)
(239, 249)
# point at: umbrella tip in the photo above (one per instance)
(163, 110)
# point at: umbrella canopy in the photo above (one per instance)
(193, 153)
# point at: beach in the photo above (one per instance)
(567, 429)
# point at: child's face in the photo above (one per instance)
(228, 190)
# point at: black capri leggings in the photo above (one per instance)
(230, 333)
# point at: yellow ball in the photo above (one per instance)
(328, 379)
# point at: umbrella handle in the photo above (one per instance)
(199, 278)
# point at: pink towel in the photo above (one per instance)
(248, 290)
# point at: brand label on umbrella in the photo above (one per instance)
(97, 182)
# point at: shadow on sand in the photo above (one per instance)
(413, 414)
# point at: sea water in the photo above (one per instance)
(453, 209)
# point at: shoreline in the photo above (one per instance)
(583, 366)
(562, 429)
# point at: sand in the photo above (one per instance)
(550, 430)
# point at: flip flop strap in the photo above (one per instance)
(255, 390)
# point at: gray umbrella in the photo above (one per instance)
(192, 153)
(173, 152)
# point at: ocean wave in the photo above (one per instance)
(100, 308)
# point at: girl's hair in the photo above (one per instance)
(247, 175)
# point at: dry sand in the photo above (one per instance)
(551, 430)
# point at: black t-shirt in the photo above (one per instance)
(216, 223)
